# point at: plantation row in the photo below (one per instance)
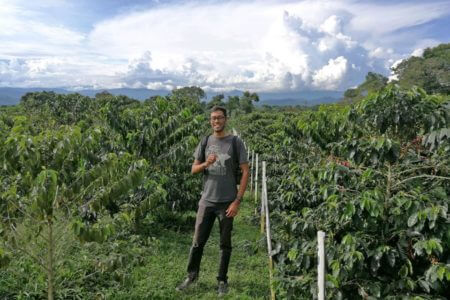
(97, 170)
(375, 177)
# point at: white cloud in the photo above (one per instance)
(23, 33)
(265, 45)
(57, 72)
(331, 75)
(332, 25)
(383, 18)
(417, 52)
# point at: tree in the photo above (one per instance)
(232, 105)
(430, 72)
(217, 100)
(191, 93)
(373, 83)
(246, 101)
(46, 178)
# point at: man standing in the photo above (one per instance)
(218, 156)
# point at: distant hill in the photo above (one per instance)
(431, 71)
(11, 96)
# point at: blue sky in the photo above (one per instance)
(217, 45)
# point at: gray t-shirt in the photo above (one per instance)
(220, 182)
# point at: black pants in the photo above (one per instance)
(203, 225)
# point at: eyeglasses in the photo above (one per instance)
(219, 118)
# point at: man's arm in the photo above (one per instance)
(244, 180)
(233, 209)
(198, 166)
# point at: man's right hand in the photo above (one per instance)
(210, 160)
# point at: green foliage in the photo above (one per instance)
(429, 71)
(368, 176)
(97, 166)
(235, 105)
(192, 93)
(373, 83)
(216, 101)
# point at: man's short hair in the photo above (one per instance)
(221, 108)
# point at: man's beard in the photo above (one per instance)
(220, 129)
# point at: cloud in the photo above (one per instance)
(25, 33)
(330, 76)
(68, 72)
(260, 46)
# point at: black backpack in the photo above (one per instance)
(237, 171)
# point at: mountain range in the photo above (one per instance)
(11, 95)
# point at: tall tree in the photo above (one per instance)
(216, 100)
(246, 101)
(192, 93)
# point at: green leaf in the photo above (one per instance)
(349, 210)
(440, 272)
(423, 284)
(292, 254)
(333, 281)
(374, 264)
(410, 268)
(403, 271)
(411, 284)
(391, 258)
(336, 267)
(412, 220)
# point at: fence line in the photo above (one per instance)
(265, 215)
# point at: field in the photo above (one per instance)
(97, 200)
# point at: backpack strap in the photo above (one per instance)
(203, 148)
(235, 151)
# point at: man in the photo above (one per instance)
(215, 158)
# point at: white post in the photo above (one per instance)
(321, 264)
(251, 171)
(263, 195)
(256, 185)
(268, 236)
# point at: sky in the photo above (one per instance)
(261, 46)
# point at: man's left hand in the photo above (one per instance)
(233, 209)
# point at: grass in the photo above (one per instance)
(150, 266)
(248, 271)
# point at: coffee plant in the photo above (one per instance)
(375, 177)
(92, 168)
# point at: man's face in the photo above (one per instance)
(218, 121)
